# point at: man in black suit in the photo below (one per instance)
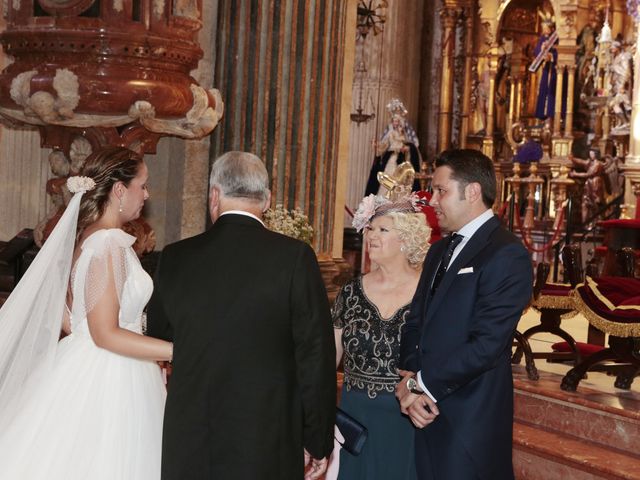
(457, 386)
(253, 387)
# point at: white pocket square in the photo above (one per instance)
(464, 270)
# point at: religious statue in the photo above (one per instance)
(399, 143)
(546, 55)
(593, 194)
(620, 68)
(586, 60)
(586, 52)
(481, 96)
(619, 86)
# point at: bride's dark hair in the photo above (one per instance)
(106, 167)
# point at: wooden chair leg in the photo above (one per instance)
(620, 349)
(571, 380)
(625, 378)
(550, 323)
(524, 347)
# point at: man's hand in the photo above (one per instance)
(422, 411)
(420, 408)
(314, 468)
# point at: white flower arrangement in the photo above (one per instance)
(293, 223)
(77, 184)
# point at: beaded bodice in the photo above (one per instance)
(371, 343)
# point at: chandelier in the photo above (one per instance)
(371, 17)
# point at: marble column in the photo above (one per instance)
(449, 16)
(342, 173)
(279, 65)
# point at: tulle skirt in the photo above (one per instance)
(96, 416)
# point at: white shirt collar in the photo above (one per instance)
(472, 227)
(468, 230)
(242, 212)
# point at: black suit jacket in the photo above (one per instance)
(460, 340)
(254, 357)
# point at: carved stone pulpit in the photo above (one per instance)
(90, 73)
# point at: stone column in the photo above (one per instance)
(281, 100)
(448, 16)
(343, 139)
(466, 94)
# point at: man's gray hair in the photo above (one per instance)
(240, 175)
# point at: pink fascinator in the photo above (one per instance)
(373, 206)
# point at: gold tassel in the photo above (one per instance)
(618, 329)
(554, 301)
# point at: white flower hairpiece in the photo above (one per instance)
(77, 184)
(366, 210)
(373, 205)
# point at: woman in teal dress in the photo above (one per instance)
(368, 315)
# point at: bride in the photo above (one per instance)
(88, 407)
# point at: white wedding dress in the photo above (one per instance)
(96, 415)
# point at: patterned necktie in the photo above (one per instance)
(454, 240)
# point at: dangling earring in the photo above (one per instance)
(120, 208)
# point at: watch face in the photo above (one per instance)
(411, 384)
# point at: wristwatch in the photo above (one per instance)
(413, 386)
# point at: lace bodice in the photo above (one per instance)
(108, 254)
(371, 343)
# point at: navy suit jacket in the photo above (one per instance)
(460, 341)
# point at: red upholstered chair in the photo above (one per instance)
(554, 303)
(611, 304)
(572, 260)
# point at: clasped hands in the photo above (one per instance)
(420, 408)
(314, 468)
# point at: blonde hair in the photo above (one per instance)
(414, 233)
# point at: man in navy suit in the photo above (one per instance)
(457, 386)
